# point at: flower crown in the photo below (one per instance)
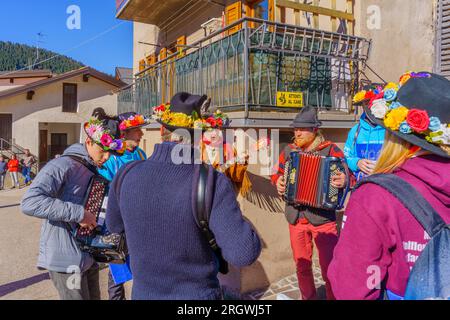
(133, 121)
(384, 105)
(212, 121)
(99, 134)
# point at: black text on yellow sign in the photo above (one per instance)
(290, 99)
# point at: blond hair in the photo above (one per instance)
(179, 135)
(395, 152)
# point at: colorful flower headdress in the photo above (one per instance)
(216, 120)
(99, 134)
(384, 105)
(134, 121)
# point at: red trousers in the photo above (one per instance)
(325, 237)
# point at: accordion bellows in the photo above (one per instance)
(308, 181)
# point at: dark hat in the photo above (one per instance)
(307, 118)
(424, 92)
(191, 106)
(186, 103)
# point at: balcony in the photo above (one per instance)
(150, 11)
(247, 67)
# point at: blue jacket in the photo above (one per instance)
(114, 163)
(57, 195)
(363, 142)
(170, 257)
(2, 167)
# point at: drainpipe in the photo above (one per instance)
(246, 69)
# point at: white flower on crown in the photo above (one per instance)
(379, 108)
(97, 136)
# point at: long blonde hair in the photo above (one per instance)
(395, 152)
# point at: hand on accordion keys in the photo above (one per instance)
(338, 180)
(88, 223)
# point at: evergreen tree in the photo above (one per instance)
(15, 56)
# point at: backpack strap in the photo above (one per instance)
(204, 176)
(121, 175)
(420, 208)
(83, 162)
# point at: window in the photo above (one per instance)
(70, 99)
(261, 10)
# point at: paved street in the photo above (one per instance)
(20, 279)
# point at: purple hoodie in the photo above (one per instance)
(380, 238)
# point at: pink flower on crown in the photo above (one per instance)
(106, 140)
(93, 129)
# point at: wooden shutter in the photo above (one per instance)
(442, 64)
(141, 65)
(233, 13)
(162, 54)
(151, 59)
(271, 9)
(70, 99)
(181, 50)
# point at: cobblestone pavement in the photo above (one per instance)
(287, 288)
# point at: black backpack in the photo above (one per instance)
(202, 199)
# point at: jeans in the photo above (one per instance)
(325, 238)
(115, 291)
(14, 179)
(2, 180)
(26, 173)
(71, 287)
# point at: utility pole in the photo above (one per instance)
(39, 37)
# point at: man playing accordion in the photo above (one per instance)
(307, 223)
(57, 196)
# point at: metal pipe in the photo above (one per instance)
(246, 69)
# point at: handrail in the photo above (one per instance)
(237, 84)
(16, 146)
(306, 31)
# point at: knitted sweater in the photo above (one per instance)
(170, 258)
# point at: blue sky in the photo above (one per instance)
(21, 20)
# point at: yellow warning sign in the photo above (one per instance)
(290, 99)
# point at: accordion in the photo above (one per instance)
(308, 181)
(105, 247)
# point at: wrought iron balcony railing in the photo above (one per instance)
(243, 66)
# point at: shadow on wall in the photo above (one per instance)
(264, 195)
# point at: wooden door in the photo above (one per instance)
(6, 126)
(58, 144)
(43, 146)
